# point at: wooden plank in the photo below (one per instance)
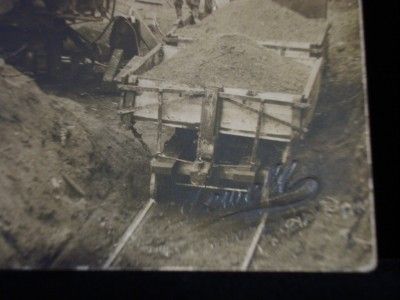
(113, 65)
(312, 98)
(159, 121)
(246, 107)
(313, 75)
(228, 93)
(138, 65)
(223, 130)
(233, 119)
(208, 125)
(184, 111)
(176, 89)
(257, 134)
(300, 46)
(265, 97)
(152, 2)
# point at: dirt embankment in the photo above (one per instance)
(341, 237)
(233, 61)
(48, 145)
(259, 19)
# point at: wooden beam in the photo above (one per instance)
(208, 126)
(159, 121)
(302, 46)
(152, 2)
(257, 134)
(113, 65)
(267, 98)
(139, 64)
(244, 106)
(151, 85)
(166, 89)
(311, 79)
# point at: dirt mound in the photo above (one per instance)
(233, 61)
(48, 146)
(259, 19)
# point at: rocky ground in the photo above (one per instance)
(67, 180)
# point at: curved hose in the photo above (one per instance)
(301, 194)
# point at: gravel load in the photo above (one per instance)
(259, 19)
(233, 61)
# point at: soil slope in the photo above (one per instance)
(45, 139)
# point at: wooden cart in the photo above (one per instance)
(215, 114)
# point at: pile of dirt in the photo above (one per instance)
(61, 171)
(233, 61)
(259, 19)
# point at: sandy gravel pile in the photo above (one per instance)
(43, 140)
(233, 61)
(259, 19)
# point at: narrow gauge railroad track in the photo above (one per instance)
(170, 235)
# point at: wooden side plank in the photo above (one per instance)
(113, 65)
(208, 125)
(313, 75)
(139, 64)
(229, 93)
(286, 44)
(180, 109)
(313, 90)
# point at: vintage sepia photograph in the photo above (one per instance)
(185, 135)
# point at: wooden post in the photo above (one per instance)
(159, 122)
(208, 125)
(208, 130)
(257, 134)
(113, 65)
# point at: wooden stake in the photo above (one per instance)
(74, 185)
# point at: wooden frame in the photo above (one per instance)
(260, 115)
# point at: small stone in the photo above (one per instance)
(56, 183)
(274, 242)
(341, 46)
(346, 210)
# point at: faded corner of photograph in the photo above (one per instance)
(185, 135)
